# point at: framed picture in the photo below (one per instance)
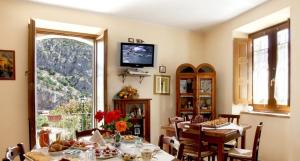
(162, 84)
(131, 40)
(7, 65)
(162, 69)
(137, 131)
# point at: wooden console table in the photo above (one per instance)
(139, 111)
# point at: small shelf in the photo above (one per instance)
(141, 75)
(186, 94)
(186, 110)
(205, 96)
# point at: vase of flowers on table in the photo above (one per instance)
(114, 121)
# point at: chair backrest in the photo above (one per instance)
(177, 130)
(256, 142)
(173, 143)
(197, 119)
(231, 118)
(193, 134)
(175, 119)
(12, 153)
(89, 132)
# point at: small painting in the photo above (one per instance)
(162, 84)
(7, 65)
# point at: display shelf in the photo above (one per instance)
(140, 75)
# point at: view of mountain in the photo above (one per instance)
(64, 71)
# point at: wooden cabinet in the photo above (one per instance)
(139, 112)
(196, 91)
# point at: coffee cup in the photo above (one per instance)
(146, 154)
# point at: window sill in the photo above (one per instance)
(280, 115)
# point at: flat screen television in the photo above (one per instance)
(137, 55)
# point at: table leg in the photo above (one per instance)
(243, 141)
(220, 151)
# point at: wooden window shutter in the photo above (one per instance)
(242, 67)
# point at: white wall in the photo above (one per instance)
(294, 129)
(218, 49)
(174, 46)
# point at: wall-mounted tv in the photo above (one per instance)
(137, 55)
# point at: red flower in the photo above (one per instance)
(116, 115)
(99, 115)
(109, 117)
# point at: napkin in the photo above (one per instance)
(98, 138)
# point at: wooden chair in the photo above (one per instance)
(245, 154)
(12, 153)
(197, 119)
(231, 118)
(194, 147)
(173, 143)
(85, 133)
(172, 120)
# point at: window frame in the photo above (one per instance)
(33, 31)
(271, 32)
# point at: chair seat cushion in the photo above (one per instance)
(240, 153)
(231, 143)
(194, 154)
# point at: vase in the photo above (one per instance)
(117, 138)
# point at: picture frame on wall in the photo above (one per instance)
(7, 65)
(162, 84)
(162, 69)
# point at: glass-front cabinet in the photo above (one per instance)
(138, 110)
(195, 91)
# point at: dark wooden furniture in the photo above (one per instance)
(139, 112)
(232, 118)
(173, 144)
(174, 119)
(12, 153)
(216, 136)
(89, 132)
(196, 91)
(192, 139)
(248, 154)
(197, 119)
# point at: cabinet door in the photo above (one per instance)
(186, 95)
(206, 94)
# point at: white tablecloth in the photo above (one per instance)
(125, 147)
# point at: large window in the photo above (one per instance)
(270, 72)
(66, 80)
(262, 69)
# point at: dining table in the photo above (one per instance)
(87, 155)
(217, 136)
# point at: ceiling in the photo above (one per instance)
(188, 14)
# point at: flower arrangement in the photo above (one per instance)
(113, 120)
(128, 92)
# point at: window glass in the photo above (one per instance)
(282, 67)
(260, 70)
